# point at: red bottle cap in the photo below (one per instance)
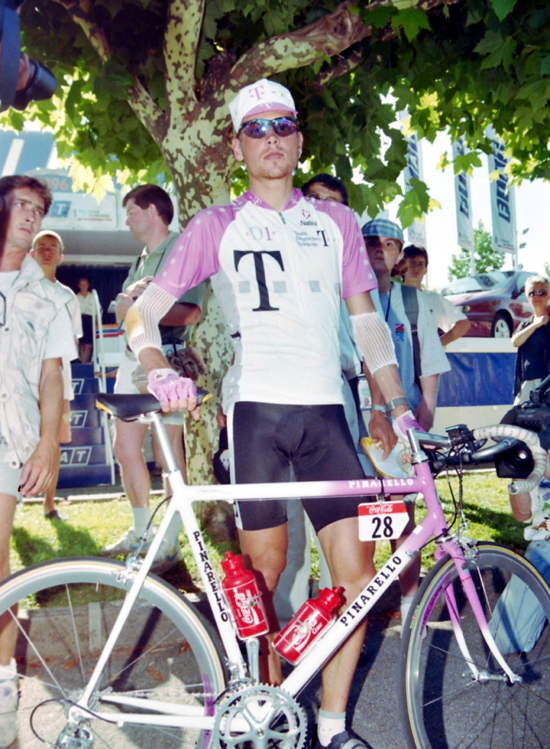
(232, 563)
(331, 599)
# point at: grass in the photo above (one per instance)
(486, 507)
(92, 525)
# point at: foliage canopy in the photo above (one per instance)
(144, 84)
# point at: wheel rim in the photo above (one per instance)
(160, 655)
(446, 707)
(502, 329)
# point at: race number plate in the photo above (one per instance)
(380, 522)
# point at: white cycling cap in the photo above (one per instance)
(258, 98)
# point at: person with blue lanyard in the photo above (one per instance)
(420, 358)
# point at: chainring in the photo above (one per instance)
(260, 717)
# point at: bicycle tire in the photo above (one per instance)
(166, 651)
(442, 706)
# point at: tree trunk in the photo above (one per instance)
(201, 175)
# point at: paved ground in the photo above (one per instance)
(372, 709)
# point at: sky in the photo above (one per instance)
(532, 212)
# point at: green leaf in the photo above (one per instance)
(412, 21)
(503, 8)
(498, 50)
(491, 42)
(539, 18)
(378, 18)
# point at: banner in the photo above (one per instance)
(463, 199)
(503, 205)
(417, 232)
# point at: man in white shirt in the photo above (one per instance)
(47, 250)
(35, 336)
(452, 323)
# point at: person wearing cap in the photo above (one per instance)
(419, 370)
(280, 265)
(419, 353)
(47, 249)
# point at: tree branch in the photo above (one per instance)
(181, 43)
(328, 36)
(146, 110)
(343, 66)
(140, 101)
(79, 10)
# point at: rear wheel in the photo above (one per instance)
(443, 705)
(165, 652)
(502, 326)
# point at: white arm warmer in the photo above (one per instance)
(142, 320)
(373, 337)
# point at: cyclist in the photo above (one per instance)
(280, 265)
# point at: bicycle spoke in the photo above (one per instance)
(446, 707)
(163, 655)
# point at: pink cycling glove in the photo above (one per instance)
(168, 387)
(404, 422)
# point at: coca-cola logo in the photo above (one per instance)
(298, 636)
(247, 606)
(302, 634)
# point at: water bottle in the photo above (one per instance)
(310, 621)
(243, 597)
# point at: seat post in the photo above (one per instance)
(164, 442)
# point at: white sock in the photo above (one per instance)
(329, 725)
(142, 515)
(173, 532)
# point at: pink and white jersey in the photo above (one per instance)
(279, 278)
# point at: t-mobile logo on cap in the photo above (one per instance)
(257, 92)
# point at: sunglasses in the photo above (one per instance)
(540, 292)
(283, 126)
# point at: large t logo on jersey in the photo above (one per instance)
(259, 267)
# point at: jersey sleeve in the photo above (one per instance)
(357, 273)
(194, 257)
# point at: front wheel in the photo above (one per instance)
(443, 705)
(165, 653)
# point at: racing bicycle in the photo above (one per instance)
(120, 659)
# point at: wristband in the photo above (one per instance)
(159, 374)
(376, 407)
(395, 402)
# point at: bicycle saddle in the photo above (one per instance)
(127, 406)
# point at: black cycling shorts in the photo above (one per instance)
(268, 438)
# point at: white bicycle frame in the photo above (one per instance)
(433, 524)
